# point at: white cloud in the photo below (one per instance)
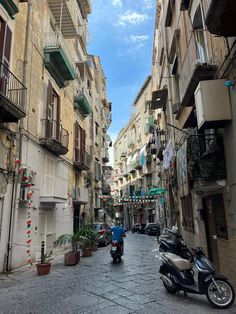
(138, 40)
(131, 18)
(148, 4)
(117, 3)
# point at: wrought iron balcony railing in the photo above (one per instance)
(82, 160)
(12, 93)
(54, 136)
(205, 157)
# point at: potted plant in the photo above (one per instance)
(85, 240)
(72, 257)
(44, 266)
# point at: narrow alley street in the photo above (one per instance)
(97, 285)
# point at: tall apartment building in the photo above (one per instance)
(50, 94)
(136, 170)
(194, 63)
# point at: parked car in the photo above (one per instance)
(152, 229)
(105, 234)
(138, 228)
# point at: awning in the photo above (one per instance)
(156, 191)
(159, 99)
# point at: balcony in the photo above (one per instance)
(195, 68)
(54, 137)
(105, 157)
(220, 18)
(206, 160)
(80, 195)
(58, 60)
(82, 160)
(10, 7)
(63, 15)
(81, 103)
(106, 189)
(184, 5)
(12, 93)
(98, 173)
(85, 7)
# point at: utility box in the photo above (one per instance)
(212, 104)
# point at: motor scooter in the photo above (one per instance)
(116, 250)
(171, 241)
(177, 274)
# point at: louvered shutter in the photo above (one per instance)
(49, 113)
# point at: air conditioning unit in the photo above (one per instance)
(212, 104)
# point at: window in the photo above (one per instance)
(53, 113)
(5, 43)
(79, 138)
(49, 176)
(199, 35)
(187, 212)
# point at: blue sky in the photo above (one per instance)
(122, 35)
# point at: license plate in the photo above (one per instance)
(113, 248)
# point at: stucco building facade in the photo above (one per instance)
(197, 70)
(49, 184)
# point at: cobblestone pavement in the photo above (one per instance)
(97, 285)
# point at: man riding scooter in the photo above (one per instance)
(117, 245)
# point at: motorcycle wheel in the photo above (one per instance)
(114, 260)
(168, 288)
(221, 296)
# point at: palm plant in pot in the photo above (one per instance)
(72, 257)
(85, 240)
(44, 265)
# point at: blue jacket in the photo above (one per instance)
(117, 233)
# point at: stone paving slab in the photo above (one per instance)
(97, 285)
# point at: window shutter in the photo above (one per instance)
(2, 36)
(83, 140)
(7, 48)
(5, 43)
(58, 122)
(76, 136)
(49, 125)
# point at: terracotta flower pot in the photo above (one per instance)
(43, 269)
(71, 258)
(87, 252)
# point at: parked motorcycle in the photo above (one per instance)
(116, 251)
(177, 275)
(172, 241)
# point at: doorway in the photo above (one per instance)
(215, 225)
(46, 229)
(76, 224)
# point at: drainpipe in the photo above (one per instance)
(21, 125)
(26, 51)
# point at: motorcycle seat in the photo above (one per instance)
(180, 263)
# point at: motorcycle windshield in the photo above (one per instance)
(203, 264)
